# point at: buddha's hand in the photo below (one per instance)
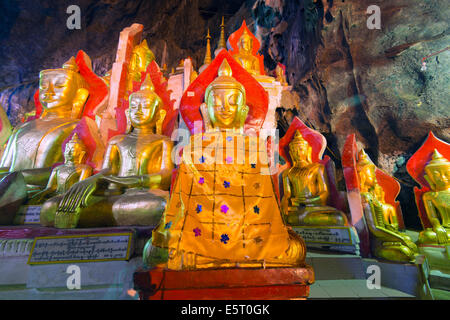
(77, 196)
(441, 234)
(312, 200)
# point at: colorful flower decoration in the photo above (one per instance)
(199, 208)
(224, 238)
(224, 208)
(226, 184)
(168, 225)
(229, 139)
(256, 209)
(197, 232)
(201, 180)
(229, 159)
(202, 159)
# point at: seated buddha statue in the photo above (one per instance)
(37, 144)
(223, 211)
(387, 241)
(245, 56)
(305, 187)
(437, 201)
(65, 175)
(136, 168)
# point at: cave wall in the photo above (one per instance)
(346, 78)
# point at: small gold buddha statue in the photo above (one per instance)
(305, 187)
(223, 213)
(437, 201)
(36, 145)
(140, 59)
(245, 56)
(136, 169)
(64, 176)
(386, 240)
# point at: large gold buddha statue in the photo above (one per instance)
(126, 190)
(245, 56)
(65, 175)
(36, 145)
(437, 201)
(387, 241)
(305, 187)
(223, 211)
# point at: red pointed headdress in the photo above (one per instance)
(193, 97)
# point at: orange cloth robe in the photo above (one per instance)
(223, 204)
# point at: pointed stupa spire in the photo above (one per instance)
(208, 58)
(222, 41)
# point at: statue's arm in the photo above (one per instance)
(85, 173)
(287, 192)
(37, 176)
(377, 230)
(8, 154)
(40, 197)
(430, 209)
(433, 216)
(322, 185)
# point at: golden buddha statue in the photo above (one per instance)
(245, 56)
(305, 187)
(36, 145)
(140, 59)
(126, 190)
(387, 241)
(64, 176)
(223, 211)
(437, 201)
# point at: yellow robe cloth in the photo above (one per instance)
(223, 204)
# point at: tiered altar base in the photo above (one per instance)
(224, 284)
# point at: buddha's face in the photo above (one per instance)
(143, 107)
(246, 44)
(440, 176)
(224, 105)
(368, 175)
(74, 152)
(57, 88)
(299, 151)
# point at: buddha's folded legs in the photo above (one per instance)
(294, 256)
(13, 193)
(139, 207)
(395, 251)
(134, 207)
(428, 236)
(316, 216)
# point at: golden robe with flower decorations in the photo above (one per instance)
(223, 203)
